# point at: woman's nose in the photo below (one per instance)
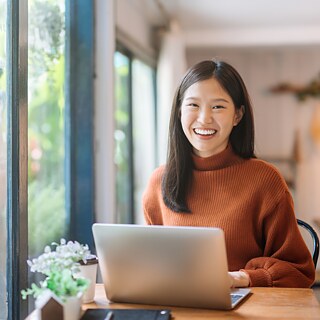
(205, 115)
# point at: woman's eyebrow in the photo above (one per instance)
(192, 98)
(213, 100)
(220, 100)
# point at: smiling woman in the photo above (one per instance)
(213, 179)
(205, 81)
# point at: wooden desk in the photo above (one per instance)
(264, 303)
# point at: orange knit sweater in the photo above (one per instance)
(250, 201)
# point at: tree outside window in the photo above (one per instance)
(46, 79)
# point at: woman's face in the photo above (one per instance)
(208, 116)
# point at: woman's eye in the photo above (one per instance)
(194, 105)
(217, 107)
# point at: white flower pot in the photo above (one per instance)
(49, 304)
(72, 308)
(89, 271)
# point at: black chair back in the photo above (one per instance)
(315, 239)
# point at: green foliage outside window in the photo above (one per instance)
(122, 135)
(46, 188)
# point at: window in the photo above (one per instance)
(3, 159)
(135, 134)
(60, 130)
(46, 129)
(123, 139)
(144, 130)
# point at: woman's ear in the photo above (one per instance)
(238, 116)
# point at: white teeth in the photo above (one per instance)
(205, 132)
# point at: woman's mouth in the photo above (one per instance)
(204, 132)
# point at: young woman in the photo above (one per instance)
(213, 179)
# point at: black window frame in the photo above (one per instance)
(79, 120)
(17, 156)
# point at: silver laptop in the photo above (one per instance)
(173, 266)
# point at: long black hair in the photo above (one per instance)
(178, 172)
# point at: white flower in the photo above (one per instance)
(66, 255)
(59, 263)
(47, 249)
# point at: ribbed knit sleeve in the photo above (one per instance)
(286, 262)
(152, 199)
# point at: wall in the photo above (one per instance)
(134, 29)
(103, 117)
(270, 35)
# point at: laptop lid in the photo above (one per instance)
(178, 266)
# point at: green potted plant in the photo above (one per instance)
(60, 265)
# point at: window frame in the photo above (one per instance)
(17, 157)
(79, 135)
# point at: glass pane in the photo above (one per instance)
(3, 160)
(46, 185)
(122, 157)
(144, 131)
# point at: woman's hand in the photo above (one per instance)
(239, 279)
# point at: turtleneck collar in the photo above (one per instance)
(224, 159)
